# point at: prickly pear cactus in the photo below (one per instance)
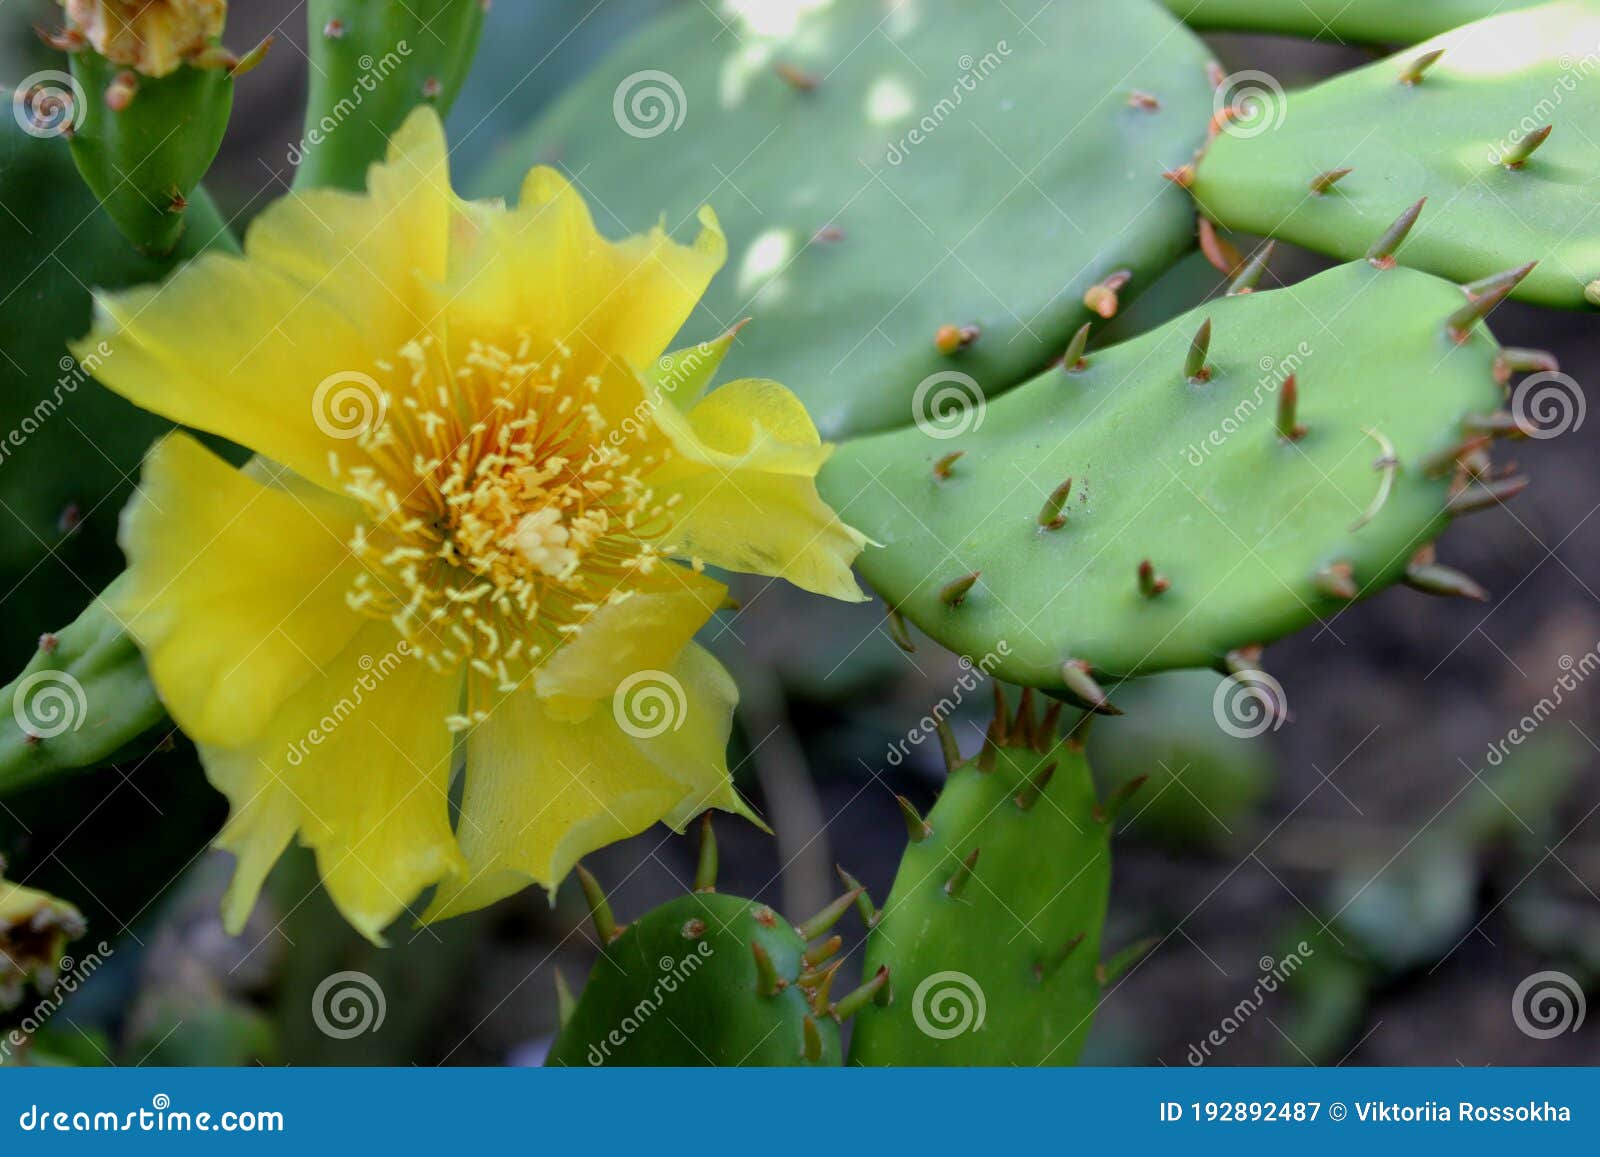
(709, 979)
(1367, 21)
(992, 930)
(1205, 488)
(895, 210)
(1490, 122)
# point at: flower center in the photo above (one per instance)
(505, 507)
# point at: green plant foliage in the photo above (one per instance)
(1369, 21)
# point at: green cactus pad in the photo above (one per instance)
(681, 986)
(1248, 534)
(1367, 21)
(992, 930)
(880, 176)
(1451, 136)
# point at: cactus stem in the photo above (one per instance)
(1383, 249)
(947, 744)
(1413, 71)
(941, 468)
(811, 1048)
(916, 827)
(1487, 427)
(898, 631)
(1223, 255)
(1052, 515)
(1113, 970)
(1425, 575)
(1072, 360)
(864, 905)
(1324, 181)
(1150, 583)
(958, 879)
(1459, 324)
(1336, 581)
(948, 339)
(1514, 360)
(605, 924)
(822, 953)
(1047, 967)
(768, 982)
(705, 872)
(1250, 276)
(1034, 788)
(954, 592)
(875, 990)
(565, 1002)
(1194, 364)
(796, 77)
(1288, 401)
(1107, 810)
(1075, 674)
(1143, 100)
(1523, 149)
(1446, 461)
(828, 917)
(1478, 496)
(1101, 297)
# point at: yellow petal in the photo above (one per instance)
(358, 762)
(746, 463)
(542, 793)
(235, 591)
(259, 349)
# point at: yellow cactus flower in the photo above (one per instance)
(34, 928)
(475, 473)
(151, 36)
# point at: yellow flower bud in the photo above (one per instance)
(151, 36)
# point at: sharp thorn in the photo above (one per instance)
(949, 339)
(1242, 659)
(954, 592)
(1518, 154)
(1324, 181)
(821, 989)
(941, 468)
(916, 827)
(1383, 249)
(811, 1046)
(1072, 360)
(1143, 100)
(796, 77)
(828, 917)
(1021, 733)
(705, 873)
(768, 982)
(1484, 286)
(864, 905)
(1048, 726)
(605, 924)
(1487, 427)
(1047, 967)
(958, 879)
(822, 953)
(899, 631)
(1194, 363)
(1052, 515)
(1250, 276)
(1336, 581)
(1288, 402)
(1034, 788)
(1150, 583)
(1182, 176)
(947, 743)
(1117, 967)
(565, 1002)
(1109, 808)
(1514, 360)
(1459, 324)
(1419, 65)
(1434, 579)
(1446, 461)
(875, 989)
(1101, 297)
(1075, 675)
(1477, 496)
(1223, 255)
